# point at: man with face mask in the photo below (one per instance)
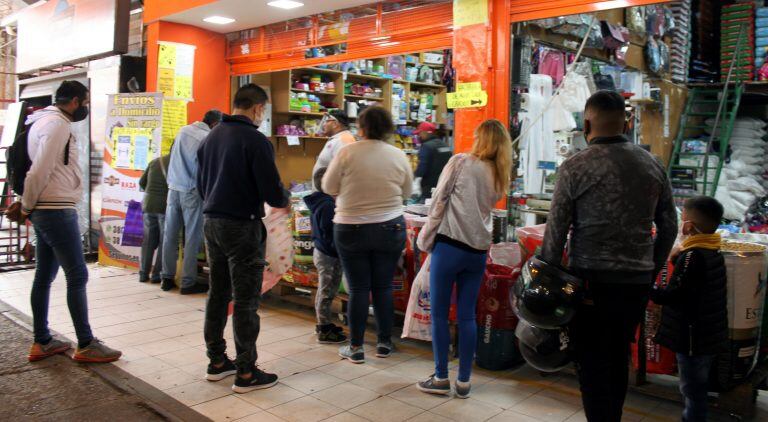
(335, 125)
(184, 207)
(237, 176)
(608, 197)
(52, 188)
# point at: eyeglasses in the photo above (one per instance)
(327, 118)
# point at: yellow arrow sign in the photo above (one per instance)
(467, 99)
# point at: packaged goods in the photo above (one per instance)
(418, 324)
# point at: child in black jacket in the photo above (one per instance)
(694, 322)
(326, 259)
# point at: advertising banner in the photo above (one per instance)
(133, 138)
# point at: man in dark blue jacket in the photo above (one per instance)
(326, 260)
(237, 175)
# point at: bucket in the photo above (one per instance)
(746, 266)
(496, 348)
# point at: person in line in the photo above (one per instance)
(608, 197)
(464, 236)
(153, 183)
(185, 208)
(370, 179)
(694, 321)
(326, 260)
(335, 125)
(237, 176)
(52, 188)
(434, 154)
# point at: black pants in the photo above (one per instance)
(235, 250)
(601, 333)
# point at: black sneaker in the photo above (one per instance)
(259, 380)
(218, 374)
(155, 281)
(168, 284)
(194, 289)
(330, 335)
(335, 328)
(384, 350)
(143, 280)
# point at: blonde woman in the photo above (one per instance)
(458, 236)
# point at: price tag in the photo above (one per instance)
(293, 140)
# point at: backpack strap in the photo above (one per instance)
(162, 168)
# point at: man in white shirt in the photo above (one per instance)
(335, 125)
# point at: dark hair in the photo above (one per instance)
(340, 117)
(605, 101)
(376, 123)
(250, 95)
(317, 178)
(708, 212)
(212, 117)
(69, 90)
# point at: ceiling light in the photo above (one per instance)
(218, 20)
(285, 4)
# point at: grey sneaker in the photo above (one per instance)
(432, 385)
(41, 351)
(384, 350)
(463, 389)
(352, 354)
(96, 352)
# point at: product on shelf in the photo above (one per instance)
(737, 23)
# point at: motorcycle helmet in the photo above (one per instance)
(544, 349)
(546, 295)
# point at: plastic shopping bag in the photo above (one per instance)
(279, 252)
(133, 231)
(418, 322)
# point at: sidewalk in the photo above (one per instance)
(160, 334)
(60, 389)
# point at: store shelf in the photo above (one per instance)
(432, 65)
(330, 93)
(323, 138)
(423, 85)
(303, 113)
(362, 97)
(367, 77)
(318, 71)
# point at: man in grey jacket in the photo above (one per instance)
(608, 197)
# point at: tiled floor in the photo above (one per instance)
(161, 336)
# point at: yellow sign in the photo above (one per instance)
(469, 12)
(468, 86)
(183, 87)
(467, 99)
(165, 82)
(174, 117)
(131, 147)
(167, 57)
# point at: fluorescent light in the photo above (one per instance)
(285, 4)
(218, 20)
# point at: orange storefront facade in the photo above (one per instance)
(481, 50)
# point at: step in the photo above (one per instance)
(678, 166)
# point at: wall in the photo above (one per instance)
(211, 83)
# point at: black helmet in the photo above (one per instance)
(543, 349)
(546, 295)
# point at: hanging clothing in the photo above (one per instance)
(538, 144)
(552, 63)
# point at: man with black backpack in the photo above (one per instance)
(50, 190)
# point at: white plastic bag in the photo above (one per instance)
(279, 252)
(418, 314)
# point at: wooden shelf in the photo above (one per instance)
(303, 137)
(367, 77)
(314, 92)
(303, 113)
(362, 97)
(425, 85)
(318, 70)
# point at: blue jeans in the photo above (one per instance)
(452, 265)
(59, 244)
(369, 254)
(183, 209)
(153, 241)
(694, 380)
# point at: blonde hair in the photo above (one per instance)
(493, 144)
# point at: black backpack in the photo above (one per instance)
(18, 162)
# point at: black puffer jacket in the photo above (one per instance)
(694, 317)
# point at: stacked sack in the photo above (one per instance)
(761, 42)
(680, 54)
(743, 179)
(732, 19)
